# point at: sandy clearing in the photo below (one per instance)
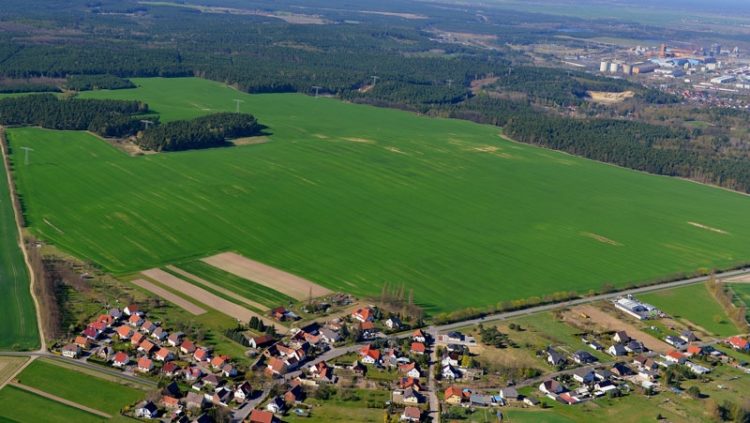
(250, 140)
(201, 295)
(395, 150)
(278, 280)
(172, 298)
(610, 322)
(410, 16)
(218, 288)
(601, 238)
(605, 97)
(708, 228)
(61, 400)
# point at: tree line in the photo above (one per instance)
(203, 132)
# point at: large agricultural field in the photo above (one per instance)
(28, 407)
(353, 196)
(18, 327)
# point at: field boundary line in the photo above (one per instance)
(271, 277)
(217, 288)
(171, 297)
(21, 244)
(61, 400)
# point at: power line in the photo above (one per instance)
(26, 159)
(237, 103)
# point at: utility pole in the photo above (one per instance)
(237, 104)
(147, 123)
(317, 90)
(26, 159)
(450, 83)
(374, 79)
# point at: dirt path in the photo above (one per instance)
(172, 298)
(205, 297)
(278, 280)
(610, 322)
(61, 400)
(218, 288)
(21, 244)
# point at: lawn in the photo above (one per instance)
(18, 326)
(21, 406)
(695, 304)
(353, 196)
(85, 389)
(236, 284)
(353, 410)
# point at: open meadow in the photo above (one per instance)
(351, 196)
(695, 304)
(91, 391)
(18, 327)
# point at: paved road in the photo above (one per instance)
(432, 394)
(547, 307)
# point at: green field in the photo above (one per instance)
(352, 196)
(18, 327)
(236, 284)
(85, 389)
(742, 293)
(696, 304)
(20, 406)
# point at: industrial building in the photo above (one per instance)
(637, 309)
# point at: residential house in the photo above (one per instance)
(739, 343)
(243, 391)
(276, 405)
(675, 357)
(688, 336)
(531, 401)
(419, 336)
(145, 365)
(82, 342)
(411, 396)
(411, 414)
(194, 400)
(175, 338)
(554, 358)
(163, 355)
(121, 359)
(71, 351)
(417, 348)
(605, 386)
(106, 319)
(135, 320)
(211, 380)
(676, 342)
(567, 398)
(369, 354)
(453, 395)
(551, 386)
(583, 357)
(694, 350)
(219, 361)
(393, 323)
(91, 333)
(170, 369)
(330, 336)
(146, 410)
(697, 368)
(229, 371)
(170, 402)
(365, 314)
(201, 355)
(192, 373)
(147, 347)
(187, 347)
(261, 341)
(621, 337)
(410, 370)
(449, 373)
(481, 400)
(132, 310)
(105, 352)
(455, 337)
(294, 395)
(276, 367)
(124, 332)
(409, 382)
(509, 394)
(585, 376)
(635, 347)
(602, 374)
(136, 339)
(621, 370)
(159, 334)
(617, 350)
(221, 396)
(148, 327)
(115, 313)
(596, 346)
(261, 416)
